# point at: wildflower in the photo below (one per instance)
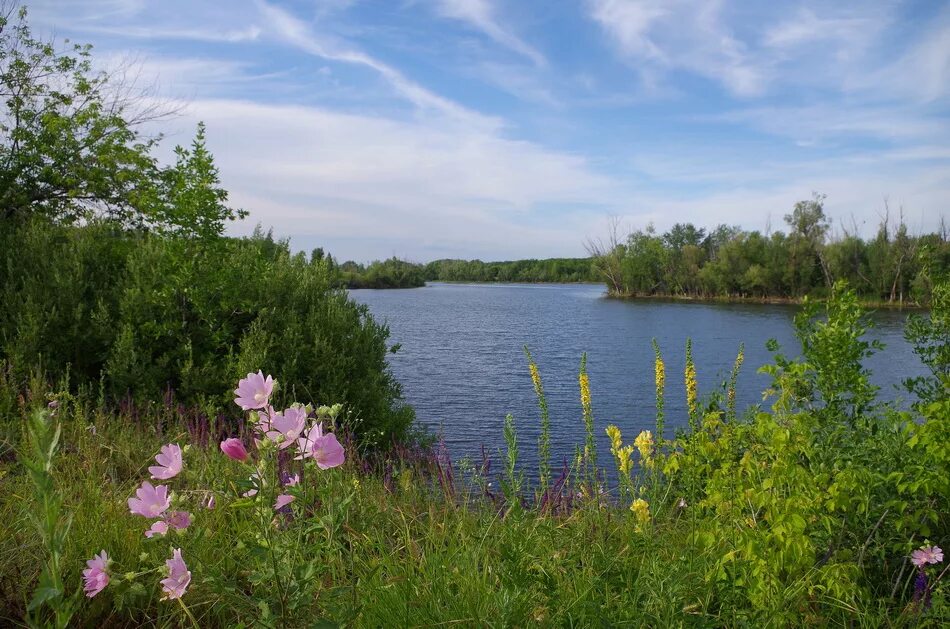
(690, 376)
(150, 502)
(305, 443)
(641, 511)
(282, 501)
(291, 480)
(644, 443)
(254, 391)
(327, 452)
(925, 555)
(585, 392)
(234, 449)
(615, 438)
(209, 503)
(158, 528)
(286, 427)
(169, 462)
(53, 405)
(96, 575)
(179, 519)
(178, 578)
(682, 503)
(535, 378)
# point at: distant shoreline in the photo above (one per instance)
(720, 299)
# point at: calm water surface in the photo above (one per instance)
(462, 367)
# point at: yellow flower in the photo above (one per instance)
(535, 377)
(625, 459)
(660, 371)
(615, 438)
(585, 392)
(644, 443)
(690, 376)
(641, 511)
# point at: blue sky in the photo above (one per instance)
(503, 129)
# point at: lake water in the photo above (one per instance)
(462, 367)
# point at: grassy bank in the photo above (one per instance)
(826, 510)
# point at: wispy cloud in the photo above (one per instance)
(481, 14)
(681, 35)
(295, 32)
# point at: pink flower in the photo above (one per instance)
(292, 481)
(305, 443)
(169, 462)
(178, 578)
(256, 479)
(286, 427)
(179, 519)
(254, 391)
(234, 448)
(327, 452)
(158, 528)
(282, 501)
(209, 503)
(96, 575)
(925, 555)
(151, 502)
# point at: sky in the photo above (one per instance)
(506, 129)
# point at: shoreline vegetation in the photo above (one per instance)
(726, 264)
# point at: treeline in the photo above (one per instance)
(395, 273)
(894, 266)
(117, 278)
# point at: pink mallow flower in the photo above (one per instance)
(179, 577)
(234, 449)
(151, 502)
(292, 481)
(179, 519)
(305, 442)
(925, 555)
(327, 452)
(158, 528)
(282, 501)
(286, 427)
(254, 391)
(96, 576)
(169, 462)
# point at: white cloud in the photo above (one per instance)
(296, 33)
(681, 35)
(481, 15)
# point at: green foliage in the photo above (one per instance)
(930, 337)
(71, 149)
(50, 521)
(145, 314)
(726, 262)
(548, 270)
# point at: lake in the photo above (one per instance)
(462, 367)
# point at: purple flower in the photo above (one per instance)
(925, 555)
(96, 575)
(234, 449)
(282, 501)
(254, 391)
(179, 519)
(178, 578)
(151, 502)
(169, 462)
(327, 452)
(286, 427)
(159, 527)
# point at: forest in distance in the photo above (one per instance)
(895, 266)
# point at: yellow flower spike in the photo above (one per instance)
(585, 392)
(641, 511)
(535, 377)
(615, 439)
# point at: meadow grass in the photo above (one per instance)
(805, 515)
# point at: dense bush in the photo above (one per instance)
(142, 315)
